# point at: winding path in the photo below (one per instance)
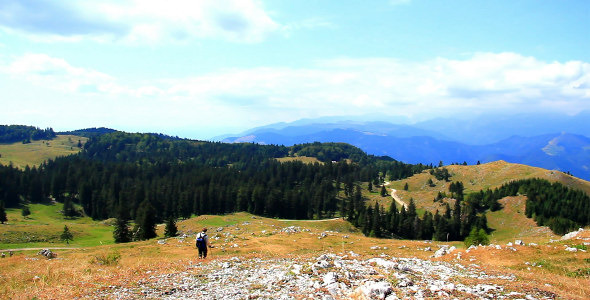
(29, 249)
(395, 197)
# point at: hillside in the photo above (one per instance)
(38, 151)
(508, 223)
(270, 258)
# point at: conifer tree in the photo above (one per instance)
(121, 234)
(25, 211)
(145, 223)
(68, 209)
(66, 235)
(383, 191)
(3, 217)
(171, 230)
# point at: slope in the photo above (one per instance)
(509, 222)
(38, 151)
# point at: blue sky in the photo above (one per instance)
(203, 68)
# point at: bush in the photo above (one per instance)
(477, 237)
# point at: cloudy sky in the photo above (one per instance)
(199, 68)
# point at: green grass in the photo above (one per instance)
(45, 224)
(36, 152)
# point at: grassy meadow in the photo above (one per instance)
(43, 227)
(36, 152)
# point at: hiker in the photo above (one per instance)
(202, 243)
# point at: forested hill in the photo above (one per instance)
(90, 132)
(144, 174)
(22, 133)
(152, 178)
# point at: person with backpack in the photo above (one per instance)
(203, 243)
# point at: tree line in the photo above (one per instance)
(550, 204)
(404, 222)
(25, 134)
(145, 176)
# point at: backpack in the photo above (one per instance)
(201, 240)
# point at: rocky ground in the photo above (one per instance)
(328, 276)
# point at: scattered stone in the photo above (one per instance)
(47, 253)
(509, 244)
(498, 247)
(444, 250)
(322, 235)
(219, 229)
(519, 243)
(379, 290)
(162, 242)
(533, 244)
(291, 229)
(428, 249)
(572, 234)
(571, 249)
(3, 255)
(330, 277)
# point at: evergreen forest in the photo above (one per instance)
(154, 178)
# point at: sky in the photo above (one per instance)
(199, 69)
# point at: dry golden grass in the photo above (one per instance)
(510, 223)
(303, 159)
(476, 178)
(36, 152)
(76, 272)
(556, 273)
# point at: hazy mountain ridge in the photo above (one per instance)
(558, 149)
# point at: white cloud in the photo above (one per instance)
(144, 21)
(484, 82)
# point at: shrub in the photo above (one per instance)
(477, 237)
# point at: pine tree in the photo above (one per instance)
(66, 235)
(68, 209)
(121, 234)
(25, 211)
(370, 186)
(3, 217)
(376, 224)
(171, 230)
(406, 187)
(145, 223)
(383, 191)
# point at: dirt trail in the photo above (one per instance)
(29, 249)
(395, 197)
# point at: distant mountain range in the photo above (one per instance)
(549, 141)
